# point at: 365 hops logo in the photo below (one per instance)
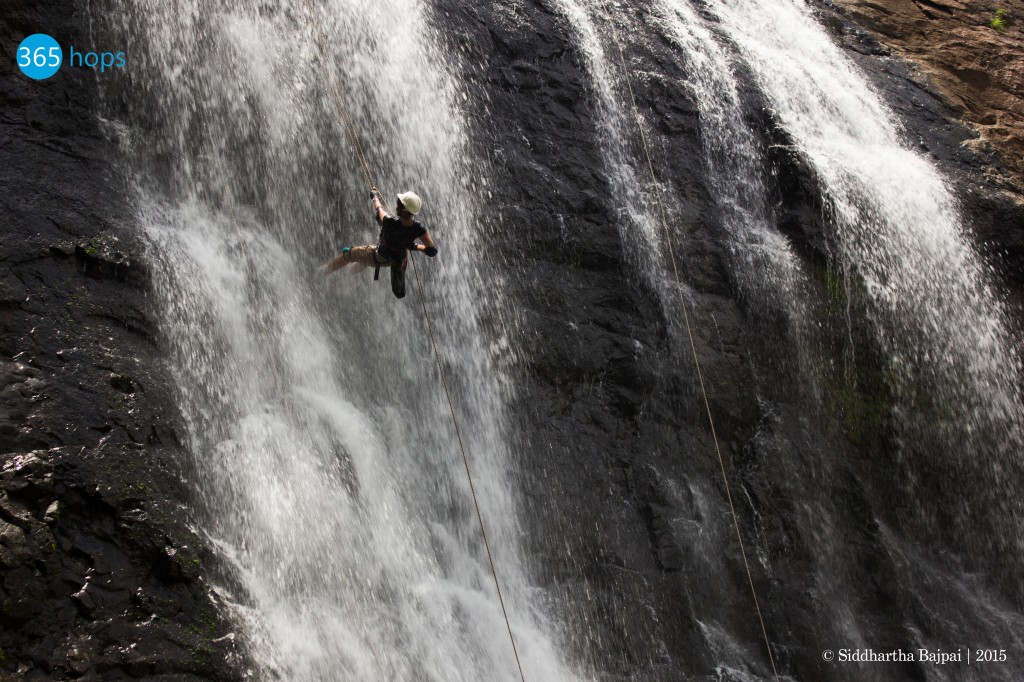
(40, 56)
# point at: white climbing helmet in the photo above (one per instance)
(411, 201)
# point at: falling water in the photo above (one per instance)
(325, 461)
(325, 464)
(760, 254)
(734, 166)
(940, 325)
(897, 224)
(637, 225)
(765, 269)
(899, 236)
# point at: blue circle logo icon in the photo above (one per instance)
(39, 56)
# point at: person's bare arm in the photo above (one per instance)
(378, 205)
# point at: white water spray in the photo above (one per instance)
(897, 225)
(764, 266)
(326, 463)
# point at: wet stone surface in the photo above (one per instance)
(101, 578)
(628, 510)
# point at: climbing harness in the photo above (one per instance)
(397, 276)
(368, 175)
(693, 346)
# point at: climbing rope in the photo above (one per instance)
(693, 346)
(465, 461)
(350, 130)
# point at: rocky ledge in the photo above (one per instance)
(971, 51)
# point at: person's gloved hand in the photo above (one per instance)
(373, 193)
(430, 251)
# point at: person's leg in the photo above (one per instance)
(398, 280)
(362, 256)
(338, 262)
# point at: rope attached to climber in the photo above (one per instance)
(350, 130)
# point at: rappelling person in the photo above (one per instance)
(397, 237)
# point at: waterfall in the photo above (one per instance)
(899, 239)
(766, 271)
(637, 223)
(896, 222)
(765, 268)
(324, 461)
(325, 464)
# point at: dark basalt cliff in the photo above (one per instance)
(613, 417)
(102, 577)
(630, 515)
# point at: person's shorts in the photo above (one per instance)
(367, 255)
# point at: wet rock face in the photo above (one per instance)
(617, 466)
(628, 514)
(983, 166)
(100, 577)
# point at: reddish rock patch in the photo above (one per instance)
(978, 68)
